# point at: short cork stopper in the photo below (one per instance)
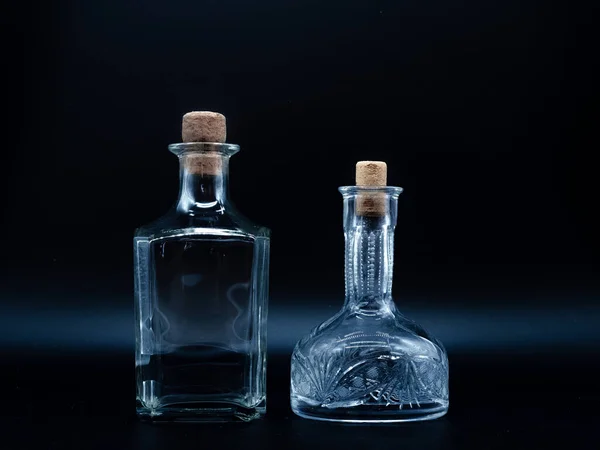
(204, 126)
(371, 174)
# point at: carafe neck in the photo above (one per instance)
(369, 223)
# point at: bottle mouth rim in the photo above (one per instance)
(394, 191)
(222, 148)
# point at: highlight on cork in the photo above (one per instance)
(371, 174)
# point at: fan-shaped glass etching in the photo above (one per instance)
(356, 376)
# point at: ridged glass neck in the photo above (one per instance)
(369, 222)
(204, 176)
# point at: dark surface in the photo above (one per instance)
(515, 401)
(521, 376)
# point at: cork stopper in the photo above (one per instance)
(371, 174)
(204, 126)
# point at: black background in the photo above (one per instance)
(483, 110)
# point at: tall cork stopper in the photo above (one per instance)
(371, 174)
(204, 126)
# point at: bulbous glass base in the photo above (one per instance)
(375, 413)
(369, 368)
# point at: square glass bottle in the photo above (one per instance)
(201, 293)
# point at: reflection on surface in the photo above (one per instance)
(94, 323)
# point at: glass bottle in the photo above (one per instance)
(369, 363)
(201, 289)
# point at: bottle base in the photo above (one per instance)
(370, 413)
(201, 412)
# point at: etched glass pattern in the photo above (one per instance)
(369, 363)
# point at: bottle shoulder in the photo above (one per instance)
(242, 222)
(391, 334)
(226, 223)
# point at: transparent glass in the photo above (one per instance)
(369, 363)
(201, 289)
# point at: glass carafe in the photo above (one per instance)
(369, 363)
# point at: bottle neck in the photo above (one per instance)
(203, 183)
(369, 223)
(369, 267)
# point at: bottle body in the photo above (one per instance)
(369, 363)
(369, 370)
(201, 301)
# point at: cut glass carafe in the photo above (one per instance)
(369, 363)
